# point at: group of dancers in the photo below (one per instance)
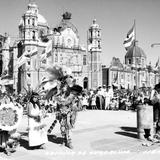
(66, 94)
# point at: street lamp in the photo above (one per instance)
(155, 44)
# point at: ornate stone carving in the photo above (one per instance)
(67, 15)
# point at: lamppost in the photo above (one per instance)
(152, 45)
(155, 44)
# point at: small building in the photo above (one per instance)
(134, 73)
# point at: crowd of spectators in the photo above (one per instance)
(110, 98)
(103, 98)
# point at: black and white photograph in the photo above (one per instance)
(79, 79)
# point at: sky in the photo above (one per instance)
(115, 17)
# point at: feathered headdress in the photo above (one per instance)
(56, 78)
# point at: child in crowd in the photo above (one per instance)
(93, 102)
(84, 102)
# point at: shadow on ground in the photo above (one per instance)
(128, 131)
(1, 150)
(55, 139)
(23, 141)
(51, 138)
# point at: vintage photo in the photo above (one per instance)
(79, 79)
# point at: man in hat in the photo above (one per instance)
(155, 99)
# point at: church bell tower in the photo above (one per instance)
(94, 53)
(28, 34)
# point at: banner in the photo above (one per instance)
(130, 38)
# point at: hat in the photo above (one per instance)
(76, 89)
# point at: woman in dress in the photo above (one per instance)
(84, 102)
(37, 133)
(107, 99)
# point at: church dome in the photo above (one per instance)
(66, 23)
(135, 51)
(33, 11)
(42, 20)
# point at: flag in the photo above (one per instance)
(31, 53)
(43, 55)
(47, 51)
(90, 47)
(116, 78)
(130, 38)
(157, 64)
(22, 60)
(34, 51)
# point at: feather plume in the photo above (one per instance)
(55, 73)
(51, 93)
(59, 82)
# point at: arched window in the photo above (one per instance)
(137, 61)
(129, 61)
(41, 33)
(85, 83)
(143, 62)
(33, 35)
(84, 59)
(28, 21)
(98, 33)
(33, 22)
(99, 44)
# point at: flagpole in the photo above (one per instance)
(89, 63)
(135, 30)
(134, 46)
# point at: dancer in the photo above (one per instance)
(10, 116)
(66, 94)
(37, 133)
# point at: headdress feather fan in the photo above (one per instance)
(54, 73)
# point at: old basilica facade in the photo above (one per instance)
(64, 49)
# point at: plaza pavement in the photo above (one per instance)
(98, 135)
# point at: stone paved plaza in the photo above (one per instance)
(97, 135)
